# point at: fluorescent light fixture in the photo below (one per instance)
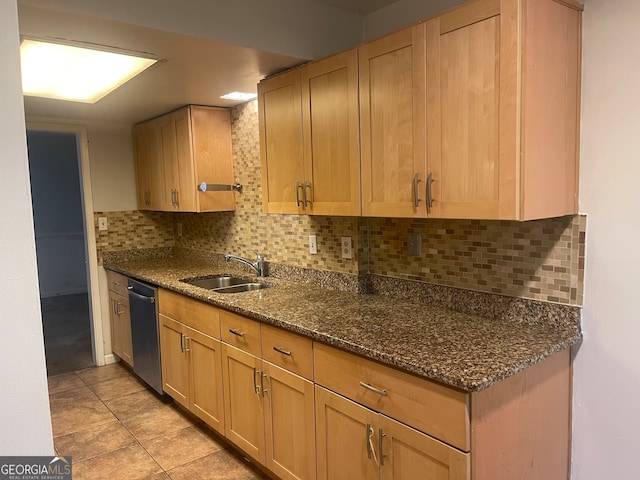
(240, 96)
(79, 74)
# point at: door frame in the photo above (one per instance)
(93, 281)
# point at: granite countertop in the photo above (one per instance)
(466, 351)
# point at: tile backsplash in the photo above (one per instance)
(539, 260)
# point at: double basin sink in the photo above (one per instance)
(225, 284)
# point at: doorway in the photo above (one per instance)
(61, 249)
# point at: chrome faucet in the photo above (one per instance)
(258, 265)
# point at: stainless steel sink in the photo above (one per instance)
(244, 287)
(226, 284)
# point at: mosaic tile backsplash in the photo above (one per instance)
(539, 260)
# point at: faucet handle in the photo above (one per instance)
(258, 255)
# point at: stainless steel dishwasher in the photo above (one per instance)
(144, 333)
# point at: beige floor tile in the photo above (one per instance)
(64, 382)
(94, 441)
(159, 476)
(221, 465)
(117, 387)
(80, 416)
(100, 374)
(180, 447)
(130, 463)
(135, 403)
(69, 398)
(155, 422)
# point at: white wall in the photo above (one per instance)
(113, 173)
(24, 402)
(607, 367)
(402, 13)
(303, 29)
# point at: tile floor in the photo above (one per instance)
(114, 427)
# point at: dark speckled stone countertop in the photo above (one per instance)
(466, 351)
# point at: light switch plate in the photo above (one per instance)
(414, 244)
(313, 245)
(102, 224)
(346, 248)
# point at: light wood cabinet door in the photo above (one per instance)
(127, 343)
(281, 150)
(149, 172)
(244, 416)
(177, 161)
(502, 118)
(205, 378)
(344, 431)
(290, 424)
(175, 363)
(407, 454)
(392, 124)
(330, 122)
(117, 329)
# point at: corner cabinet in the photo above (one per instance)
(309, 139)
(503, 90)
(176, 152)
(392, 124)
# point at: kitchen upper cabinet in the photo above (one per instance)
(180, 150)
(392, 124)
(309, 138)
(331, 135)
(150, 177)
(503, 82)
(280, 121)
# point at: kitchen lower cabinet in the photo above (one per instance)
(356, 442)
(243, 401)
(289, 424)
(191, 358)
(269, 409)
(120, 317)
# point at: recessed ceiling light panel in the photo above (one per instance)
(79, 74)
(240, 96)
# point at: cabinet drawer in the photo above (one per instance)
(193, 313)
(117, 283)
(241, 332)
(439, 411)
(288, 350)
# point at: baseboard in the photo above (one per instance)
(110, 358)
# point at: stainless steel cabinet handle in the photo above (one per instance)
(182, 342)
(262, 382)
(416, 200)
(429, 194)
(308, 201)
(381, 435)
(236, 332)
(282, 351)
(187, 341)
(368, 440)
(115, 309)
(256, 387)
(374, 389)
(298, 187)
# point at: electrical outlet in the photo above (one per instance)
(347, 251)
(313, 245)
(179, 229)
(414, 244)
(102, 224)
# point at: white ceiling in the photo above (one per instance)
(194, 70)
